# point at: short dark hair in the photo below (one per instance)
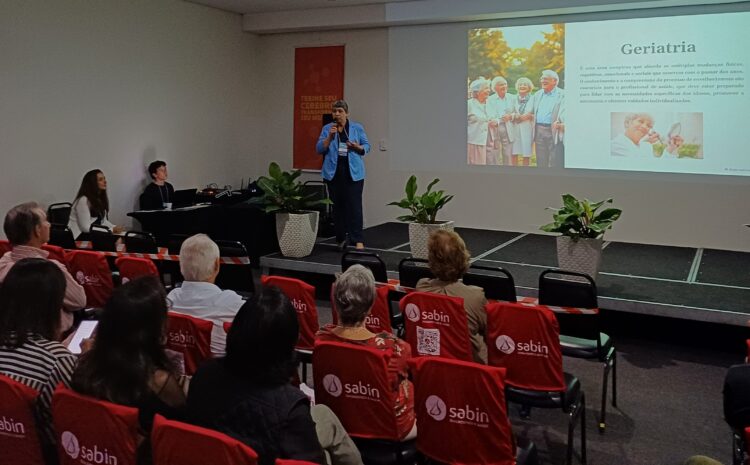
(128, 347)
(341, 104)
(20, 222)
(31, 297)
(155, 165)
(260, 344)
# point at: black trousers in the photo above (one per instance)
(347, 203)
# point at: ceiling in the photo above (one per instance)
(268, 6)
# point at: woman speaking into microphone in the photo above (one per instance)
(343, 143)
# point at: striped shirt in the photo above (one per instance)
(42, 365)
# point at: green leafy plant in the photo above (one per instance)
(581, 218)
(283, 193)
(425, 207)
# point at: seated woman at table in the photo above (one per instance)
(449, 261)
(91, 206)
(353, 296)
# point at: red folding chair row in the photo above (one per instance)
(19, 443)
(191, 338)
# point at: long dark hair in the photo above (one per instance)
(98, 200)
(31, 297)
(128, 347)
(260, 344)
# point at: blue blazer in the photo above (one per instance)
(356, 163)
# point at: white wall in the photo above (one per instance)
(115, 84)
(674, 210)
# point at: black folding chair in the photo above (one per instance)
(102, 238)
(61, 236)
(59, 213)
(580, 334)
(411, 270)
(367, 259)
(140, 242)
(318, 190)
(172, 268)
(496, 281)
(237, 277)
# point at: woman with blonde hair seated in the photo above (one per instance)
(353, 296)
(449, 261)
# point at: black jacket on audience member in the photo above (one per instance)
(737, 396)
(154, 197)
(274, 421)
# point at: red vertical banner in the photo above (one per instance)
(318, 82)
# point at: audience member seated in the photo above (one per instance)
(248, 394)
(30, 299)
(199, 296)
(159, 193)
(128, 364)
(27, 230)
(353, 296)
(449, 261)
(91, 206)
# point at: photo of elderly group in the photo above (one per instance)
(516, 112)
(657, 135)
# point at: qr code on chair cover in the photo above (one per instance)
(428, 341)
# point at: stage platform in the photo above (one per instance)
(678, 282)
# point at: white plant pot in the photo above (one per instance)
(296, 233)
(583, 255)
(419, 234)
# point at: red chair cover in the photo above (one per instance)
(525, 340)
(747, 355)
(19, 443)
(191, 337)
(353, 382)
(463, 421)
(91, 271)
(132, 267)
(436, 325)
(4, 247)
(227, 326)
(56, 253)
(175, 443)
(379, 319)
(302, 296)
(747, 440)
(93, 431)
(293, 462)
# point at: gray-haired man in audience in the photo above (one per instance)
(199, 296)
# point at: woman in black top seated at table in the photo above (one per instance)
(127, 364)
(248, 394)
(159, 193)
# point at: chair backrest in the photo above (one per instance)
(747, 350)
(102, 238)
(525, 340)
(19, 443)
(56, 253)
(93, 431)
(367, 259)
(317, 190)
(191, 337)
(379, 319)
(238, 277)
(61, 236)
(176, 443)
(353, 381)
(497, 282)
(174, 243)
(140, 242)
(4, 247)
(464, 420)
(302, 296)
(133, 267)
(436, 325)
(411, 270)
(559, 288)
(59, 212)
(90, 270)
(227, 326)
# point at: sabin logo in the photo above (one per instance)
(412, 312)
(70, 444)
(332, 385)
(505, 344)
(435, 407)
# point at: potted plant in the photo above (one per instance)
(582, 227)
(296, 224)
(423, 210)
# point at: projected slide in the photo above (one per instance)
(655, 94)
